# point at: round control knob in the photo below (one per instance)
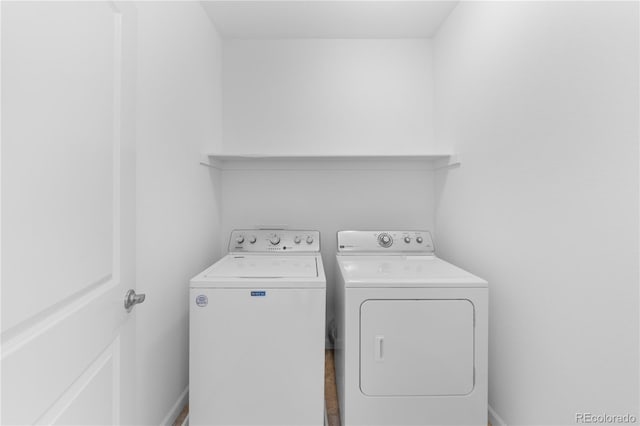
(240, 239)
(385, 240)
(275, 240)
(297, 240)
(253, 239)
(309, 239)
(407, 240)
(419, 240)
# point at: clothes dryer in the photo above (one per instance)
(411, 341)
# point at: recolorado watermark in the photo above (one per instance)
(604, 418)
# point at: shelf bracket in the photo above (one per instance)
(211, 166)
(454, 162)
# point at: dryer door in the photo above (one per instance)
(416, 347)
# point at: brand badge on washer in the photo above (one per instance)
(202, 300)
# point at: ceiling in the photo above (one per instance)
(327, 18)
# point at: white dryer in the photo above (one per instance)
(411, 340)
(257, 332)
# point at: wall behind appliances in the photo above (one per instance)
(328, 196)
(319, 96)
(541, 101)
(179, 118)
(331, 97)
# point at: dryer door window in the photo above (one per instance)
(416, 347)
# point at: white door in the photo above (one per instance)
(416, 347)
(68, 212)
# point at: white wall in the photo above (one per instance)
(328, 96)
(337, 96)
(541, 101)
(179, 118)
(328, 196)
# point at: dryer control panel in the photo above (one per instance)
(385, 241)
(284, 241)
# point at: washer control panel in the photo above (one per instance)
(402, 242)
(274, 240)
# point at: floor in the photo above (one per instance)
(330, 390)
(182, 416)
(330, 394)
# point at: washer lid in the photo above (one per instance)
(240, 266)
(404, 271)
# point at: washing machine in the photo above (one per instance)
(411, 338)
(257, 332)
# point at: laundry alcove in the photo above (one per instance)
(136, 135)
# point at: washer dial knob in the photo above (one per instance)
(252, 239)
(407, 240)
(419, 240)
(309, 239)
(385, 240)
(240, 239)
(297, 240)
(274, 240)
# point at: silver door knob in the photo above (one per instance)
(131, 299)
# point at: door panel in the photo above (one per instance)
(60, 143)
(416, 347)
(82, 410)
(68, 211)
(39, 364)
(93, 398)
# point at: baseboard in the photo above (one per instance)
(494, 418)
(176, 408)
(326, 417)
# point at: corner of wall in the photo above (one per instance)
(494, 418)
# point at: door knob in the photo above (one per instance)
(131, 299)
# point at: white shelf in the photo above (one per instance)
(225, 157)
(235, 161)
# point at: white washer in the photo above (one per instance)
(411, 340)
(257, 332)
